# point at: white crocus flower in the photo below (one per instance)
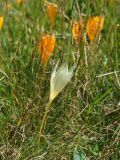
(59, 79)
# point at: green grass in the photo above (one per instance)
(85, 117)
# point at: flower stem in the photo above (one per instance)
(42, 126)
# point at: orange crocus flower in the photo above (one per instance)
(94, 26)
(1, 22)
(46, 47)
(20, 1)
(77, 30)
(111, 2)
(52, 11)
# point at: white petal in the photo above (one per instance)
(54, 71)
(59, 79)
(52, 82)
(73, 68)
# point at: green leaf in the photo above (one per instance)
(95, 150)
(79, 155)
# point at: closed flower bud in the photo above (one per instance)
(59, 79)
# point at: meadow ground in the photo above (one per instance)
(84, 120)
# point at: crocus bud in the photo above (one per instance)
(59, 79)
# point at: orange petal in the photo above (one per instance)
(52, 11)
(46, 47)
(77, 30)
(20, 1)
(1, 22)
(111, 2)
(94, 26)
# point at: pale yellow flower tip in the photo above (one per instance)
(59, 79)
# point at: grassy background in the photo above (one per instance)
(86, 116)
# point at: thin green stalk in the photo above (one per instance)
(42, 126)
(43, 77)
